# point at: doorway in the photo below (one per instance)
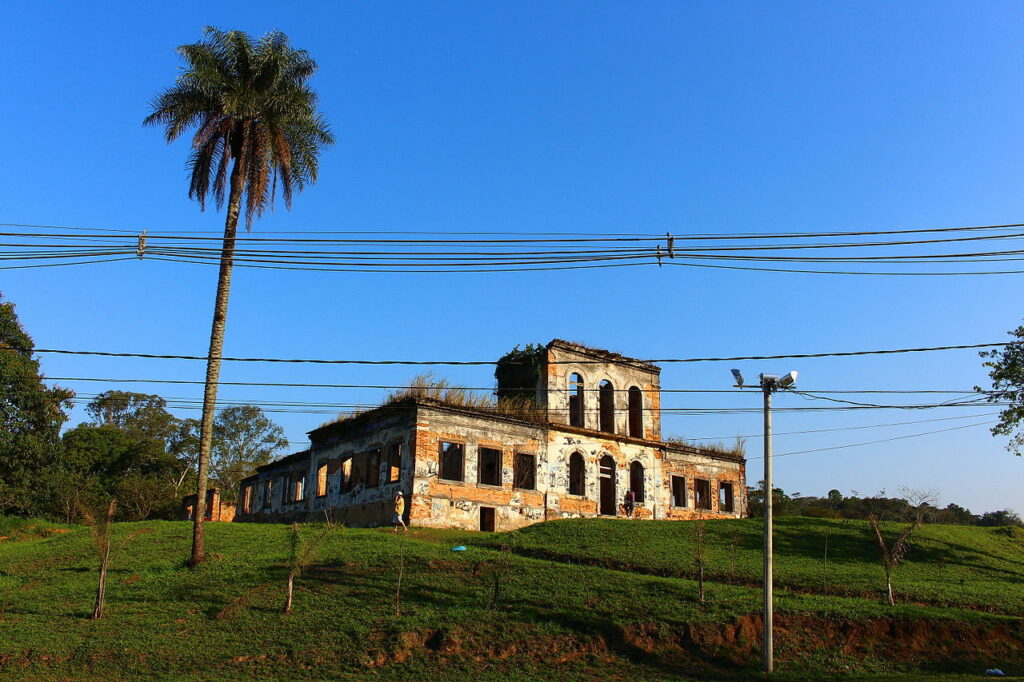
(606, 475)
(487, 519)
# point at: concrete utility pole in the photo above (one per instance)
(769, 383)
(768, 649)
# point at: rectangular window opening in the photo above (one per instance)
(451, 464)
(489, 466)
(702, 493)
(525, 472)
(725, 497)
(678, 491)
(333, 467)
(394, 462)
(346, 473)
(357, 473)
(373, 468)
(321, 479)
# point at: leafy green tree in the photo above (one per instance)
(243, 439)
(1004, 517)
(1006, 370)
(256, 126)
(141, 414)
(110, 461)
(954, 513)
(31, 415)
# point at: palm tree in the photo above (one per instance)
(256, 126)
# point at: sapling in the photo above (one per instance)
(699, 555)
(102, 526)
(401, 570)
(892, 555)
(301, 554)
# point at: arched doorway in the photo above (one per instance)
(606, 475)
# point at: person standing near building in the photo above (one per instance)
(630, 503)
(399, 512)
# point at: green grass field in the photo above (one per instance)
(575, 600)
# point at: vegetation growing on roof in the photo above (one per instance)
(518, 372)
(428, 387)
(737, 449)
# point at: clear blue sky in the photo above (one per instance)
(589, 116)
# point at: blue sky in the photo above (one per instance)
(562, 117)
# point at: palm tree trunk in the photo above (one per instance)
(220, 316)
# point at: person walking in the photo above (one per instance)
(630, 502)
(399, 512)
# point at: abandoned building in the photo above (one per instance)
(572, 430)
(216, 509)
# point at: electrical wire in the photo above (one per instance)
(411, 252)
(874, 442)
(735, 358)
(512, 390)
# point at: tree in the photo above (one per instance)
(31, 415)
(109, 461)
(256, 126)
(1005, 517)
(243, 439)
(141, 414)
(1006, 370)
(920, 502)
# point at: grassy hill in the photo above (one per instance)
(575, 600)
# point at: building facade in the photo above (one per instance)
(583, 428)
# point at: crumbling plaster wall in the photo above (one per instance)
(441, 503)
(562, 443)
(693, 465)
(335, 446)
(561, 364)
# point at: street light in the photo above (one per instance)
(769, 383)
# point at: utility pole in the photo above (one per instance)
(768, 648)
(769, 383)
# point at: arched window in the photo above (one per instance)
(576, 400)
(636, 412)
(577, 475)
(606, 406)
(636, 480)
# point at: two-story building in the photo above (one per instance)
(574, 428)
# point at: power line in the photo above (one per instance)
(838, 428)
(736, 358)
(412, 252)
(874, 442)
(514, 390)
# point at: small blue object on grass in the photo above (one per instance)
(460, 548)
(995, 672)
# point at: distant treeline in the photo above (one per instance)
(912, 505)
